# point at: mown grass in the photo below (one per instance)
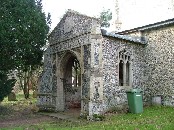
(153, 118)
(20, 100)
(20, 103)
(10, 109)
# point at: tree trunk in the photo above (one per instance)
(26, 89)
(22, 85)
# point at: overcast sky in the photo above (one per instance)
(133, 13)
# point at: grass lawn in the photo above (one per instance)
(153, 118)
(9, 108)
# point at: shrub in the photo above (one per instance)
(6, 85)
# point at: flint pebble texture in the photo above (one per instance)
(152, 65)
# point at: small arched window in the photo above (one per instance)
(125, 69)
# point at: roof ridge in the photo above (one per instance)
(135, 39)
(148, 26)
(81, 14)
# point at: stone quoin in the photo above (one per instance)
(89, 68)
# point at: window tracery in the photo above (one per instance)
(125, 68)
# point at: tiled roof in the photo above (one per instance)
(140, 40)
(149, 26)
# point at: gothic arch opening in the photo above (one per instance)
(71, 81)
(125, 69)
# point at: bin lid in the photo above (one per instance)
(134, 91)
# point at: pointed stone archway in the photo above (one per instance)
(76, 38)
(69, 71)
(107, 71)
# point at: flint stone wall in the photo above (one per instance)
(113, 93)
(73, 34)
(45, 89)
(152, 65)
(159, 64)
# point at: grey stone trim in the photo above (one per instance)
(150, 67)
(140, 40)
(160, 24)
(70, 44)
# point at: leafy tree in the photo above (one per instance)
(105, 16)
(28, 79)
(23, 33)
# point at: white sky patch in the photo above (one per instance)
(133, 13)
(57, 8)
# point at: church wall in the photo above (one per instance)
(73, 34)
(113, 94)
(71, 25)
(45, 100)
(80, 36)
(96, 82)
(159, 64)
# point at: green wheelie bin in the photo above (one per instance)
(135, 100)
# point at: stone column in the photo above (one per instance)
(130, 73)
(124, 73)
(60, 101)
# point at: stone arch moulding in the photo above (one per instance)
(125, 59)
(126, 50)
(61, 69)
(67, 55)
